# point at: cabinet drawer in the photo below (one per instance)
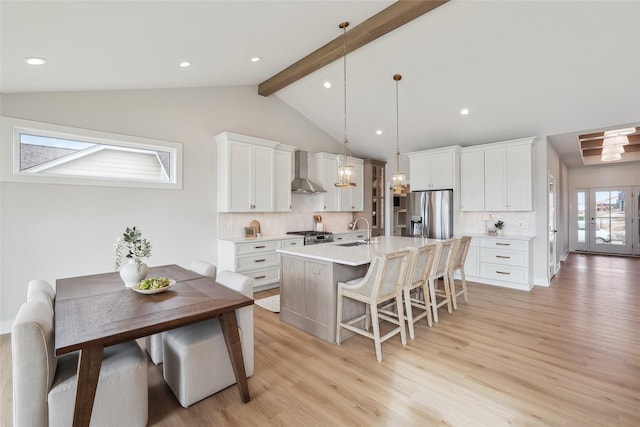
(503, 257)
(259, 260)
(292, 243)
(264, 276)
(247, 248)
(505, 273)
(515, 245)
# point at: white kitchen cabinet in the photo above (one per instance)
(282, 178)
(338, 199)
(508, 176)
(472, 179)
(257, 259)
(247, 173)
(434, 169)
(499, 261)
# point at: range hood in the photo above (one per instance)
(301, 183)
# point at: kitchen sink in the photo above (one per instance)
(356, 243)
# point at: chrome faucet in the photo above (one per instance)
(355, 222)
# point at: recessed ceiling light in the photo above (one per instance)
(327, 85)
(255, 59)
(35, 61)
(378, 132)
(464, 111)
(185, 64)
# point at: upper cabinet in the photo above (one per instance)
(472, 179)
(497, 177)
(253, 174)
(336, 199)
(434, 169)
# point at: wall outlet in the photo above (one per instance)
(523, 224)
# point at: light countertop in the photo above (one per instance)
(263, 238)
(505, 236)
(355, 255)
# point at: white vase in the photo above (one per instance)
(130, 274)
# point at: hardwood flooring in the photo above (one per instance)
(567, 355)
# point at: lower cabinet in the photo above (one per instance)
(258, 259)
(308, 294)
(500, 261)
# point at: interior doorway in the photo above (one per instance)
(554, 265)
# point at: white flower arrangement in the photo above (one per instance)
(137, 248)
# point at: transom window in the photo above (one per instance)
(108, 159)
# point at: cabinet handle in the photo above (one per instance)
(293, 243)
(503, 244)
(502, 272)
(502, 256)
(260, 277)
(260, 260)
(259, 247)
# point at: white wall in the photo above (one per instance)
(51, 231)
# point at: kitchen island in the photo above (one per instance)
(310, 275)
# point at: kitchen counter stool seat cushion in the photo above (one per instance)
(196, 360)
(153, 343)
(44, 386)
(382, 284)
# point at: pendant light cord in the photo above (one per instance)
(344, 61)
(397, 78)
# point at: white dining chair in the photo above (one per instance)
(457, 264)
(153, 343)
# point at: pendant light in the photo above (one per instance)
(398, 179)
(345, 171)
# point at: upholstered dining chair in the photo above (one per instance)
(417, 282)
(440, 270)
(153, 343)
(381, 284)
(196, 361)
(44, 386)
(41, 290)
(457, 264)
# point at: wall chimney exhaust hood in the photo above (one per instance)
(301, 183)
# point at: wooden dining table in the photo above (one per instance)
(97, 311)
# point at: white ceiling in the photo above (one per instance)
(523, 68)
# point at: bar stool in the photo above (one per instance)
(382, 284)
(417, 282)
(457, 264)
(440, 270)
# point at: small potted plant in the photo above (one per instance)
(135, 248)
(499, 226)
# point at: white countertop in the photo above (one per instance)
(355, 255)
(504, 236)
(262, 239)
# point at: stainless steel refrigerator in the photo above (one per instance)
(430, 214)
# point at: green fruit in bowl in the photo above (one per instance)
(154, 283)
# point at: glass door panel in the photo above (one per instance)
(610, 225)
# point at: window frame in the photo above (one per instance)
(95, 137)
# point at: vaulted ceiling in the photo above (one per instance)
(522, 68)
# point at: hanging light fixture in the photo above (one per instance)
(615, 140)
(345, 171)
(398, 179)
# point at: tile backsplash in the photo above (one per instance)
(517, 223)
(299, 219)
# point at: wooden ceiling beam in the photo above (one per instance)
(387, 20)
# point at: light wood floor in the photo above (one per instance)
(568, 355)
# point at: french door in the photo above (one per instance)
(605, 220)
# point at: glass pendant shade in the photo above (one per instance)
(398, 179)
(611, 157)
(345, 171)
